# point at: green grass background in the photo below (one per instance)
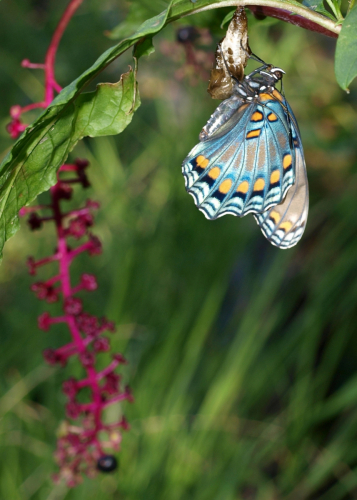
(242, 357)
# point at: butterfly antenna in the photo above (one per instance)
(282, 88)
(252, 55)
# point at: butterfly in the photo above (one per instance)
(250, 159)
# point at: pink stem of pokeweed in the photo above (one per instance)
(16, 127)
(50, 59)
(85, 331)
(80, 449)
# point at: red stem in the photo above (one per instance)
(46, 260)
(109, 369)
(75, 213)
(82, 248)
(50, 81)
(35, 105)
(289, 17)
(65, 258)
(116, 399)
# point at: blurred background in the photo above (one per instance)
(242, 357)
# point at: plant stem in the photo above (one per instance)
(67, 292)
(292, 12)
(50, 82)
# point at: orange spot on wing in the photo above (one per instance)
(243, 107)
(259, 185)
(286, 226)
(257, 116)
(275, 176)
(225, 186)
(202, 161)
(253, 133)
(275, 216)
(287, 161)
(272, 117)
(265, 97)
(214, 172)
(243, 187)
(277, 95)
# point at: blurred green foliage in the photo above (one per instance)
(346, 64)
(242, 357)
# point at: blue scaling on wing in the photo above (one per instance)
(194, 167)
(279, 122)
(221, 115)
(206, 163)
(284, 224)
(244, 162)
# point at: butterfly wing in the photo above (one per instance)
(244, 162)
(221, 115)
(284, 224)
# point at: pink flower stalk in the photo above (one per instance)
(80, 447)
(16, 127)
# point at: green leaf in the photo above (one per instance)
(139, 11)
(346, 51)
(34, 163)
(123, 29)
(144, 47)
(318, 6)
(30, 167)
(227, 18)
(107, 111)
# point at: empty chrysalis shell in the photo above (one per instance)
(231, 57)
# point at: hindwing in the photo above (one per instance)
(284, 224)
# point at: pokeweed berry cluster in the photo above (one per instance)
(188, 49)
(82, 447)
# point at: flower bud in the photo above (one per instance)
(72, 306)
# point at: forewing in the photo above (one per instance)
(268, 157)
(221, 115)
(245, 163)
(284, 224)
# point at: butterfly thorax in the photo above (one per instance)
(261, 80)
(248, 91)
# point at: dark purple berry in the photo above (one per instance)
(107, 463)
(34, 221)
(81, 164)
(187, 34)
(96, 246)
